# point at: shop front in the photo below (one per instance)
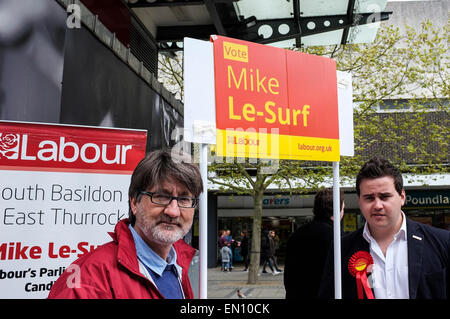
(430, 207)
(284, 214)
(281, 213)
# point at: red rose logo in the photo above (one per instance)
(9, 145)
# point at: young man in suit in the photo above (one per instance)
(410, 260)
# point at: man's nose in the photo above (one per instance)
(172, 210)
(378, 204)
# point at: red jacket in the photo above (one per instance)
(112, 271)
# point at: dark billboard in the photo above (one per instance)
(56, 74)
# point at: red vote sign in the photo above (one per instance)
(274, 103)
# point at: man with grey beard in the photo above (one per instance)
(147, 257)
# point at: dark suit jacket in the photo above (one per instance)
(306, 254)
(428, 263)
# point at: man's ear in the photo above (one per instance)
(133, 203)
(403, 196)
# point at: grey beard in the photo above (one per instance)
(167, 236)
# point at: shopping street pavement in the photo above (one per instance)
(224, 285)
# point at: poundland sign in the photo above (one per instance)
(434, 198)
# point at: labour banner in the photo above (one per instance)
(274, 103)
(62, 189)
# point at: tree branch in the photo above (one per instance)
(229, 185)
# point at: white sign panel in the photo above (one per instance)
(345, 105)
(62, 189)
(199, 96)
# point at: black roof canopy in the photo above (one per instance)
(282, 23)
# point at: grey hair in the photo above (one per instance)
(159, 166)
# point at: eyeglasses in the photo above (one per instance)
(165, 200)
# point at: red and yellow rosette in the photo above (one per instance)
(357, 266)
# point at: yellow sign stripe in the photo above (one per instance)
(231, 143)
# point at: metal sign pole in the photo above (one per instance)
(203, 223)
(337, 233)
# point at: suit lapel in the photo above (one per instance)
(358, 243)
(415, 251)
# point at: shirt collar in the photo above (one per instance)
(401, 232)
(151, 259)
(366, 233)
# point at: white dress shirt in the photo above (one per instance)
(390, 272)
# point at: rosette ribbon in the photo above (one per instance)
(357, 266)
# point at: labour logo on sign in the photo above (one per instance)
(54, 147)
(9, 145)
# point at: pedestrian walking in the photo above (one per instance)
(232, 243)
(226, 257)
(274, 242)
(222, 238)
(244, 248)
(266, 253)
